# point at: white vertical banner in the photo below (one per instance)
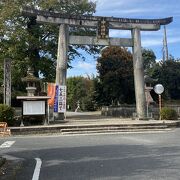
(60, 99)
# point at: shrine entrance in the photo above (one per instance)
(102, 24)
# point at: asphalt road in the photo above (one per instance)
(139, 156)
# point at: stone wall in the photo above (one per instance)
(123, 111)
(129, 111)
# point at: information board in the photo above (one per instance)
(33, 107)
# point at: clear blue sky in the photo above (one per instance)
(150, 39)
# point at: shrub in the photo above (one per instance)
(7, 114)
(168, 114)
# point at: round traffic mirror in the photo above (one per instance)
(159, 89)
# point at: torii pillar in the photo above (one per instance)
(61, 67)
(138, 74)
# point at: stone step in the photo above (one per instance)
(112, 128)
(115, 131)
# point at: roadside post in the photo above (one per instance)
(159, 89)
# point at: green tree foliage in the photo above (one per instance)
(115, 81)
(168, 74)
(28, 43)
(80, 89)
(149, 58)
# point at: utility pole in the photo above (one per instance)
(165, 47)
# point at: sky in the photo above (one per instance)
(142, 9)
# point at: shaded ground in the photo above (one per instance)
(87, 116)
(9, 168)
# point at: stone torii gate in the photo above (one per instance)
(102, 24)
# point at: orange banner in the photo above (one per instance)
(51, 93)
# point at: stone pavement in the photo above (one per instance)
(93, 122)
(95, 118)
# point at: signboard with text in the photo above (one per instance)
(60, 99)
(34, 108)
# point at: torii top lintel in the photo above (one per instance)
(92, 21)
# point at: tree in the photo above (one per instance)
(149, 58)
(168, 74)
(80, 89)
(30, 44)
(115, 83)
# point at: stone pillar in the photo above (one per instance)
(138, 74)
(7, 81)
(61, 67)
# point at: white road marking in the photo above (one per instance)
(7, 144)
(37, 169)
